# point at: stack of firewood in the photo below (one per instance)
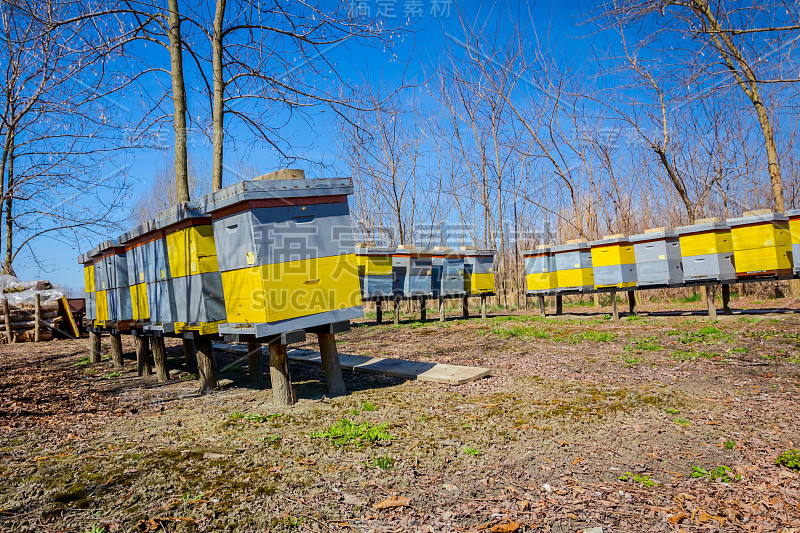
(22, 321)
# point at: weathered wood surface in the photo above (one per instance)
(94, 347)
(205, 366)
(116, 350)
(160, 358)
(282, 395)
(330, 364)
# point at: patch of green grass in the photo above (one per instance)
(704, 334)
(692, 355)
(696, 297)
(740, 349)
(236, 415)
(111, 375)
(469, 450)
(722, 472)
(271, 438)
(672, 411)
(346, 431)
(368, 406)
(188, 498)
(636, 478)
(593, 336)
(790, 459)
(257, 418)
(291, 522)
(82, 361)
(729, 444)
(682, 421)
(749, 320)
(631, 361)
(793, 360)
(521, 331)
(384, 463)
(646, 344)
(634, 318)
(96, 529)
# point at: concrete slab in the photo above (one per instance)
(423, 371)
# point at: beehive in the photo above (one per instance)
(613, 262)
(193, 281)
(447, 272)
(540, 270)
(285, 252)
(478, 271)
(794, 234)
(89, 287)
(658, 258)
(706, 252)
(138, 289)
(411, 271)
(374, 270)
(762, 245)
(573, 262)
(111, 270)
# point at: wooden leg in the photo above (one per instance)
(423, 310)
(279, 373)
(397, 311)
(379, 312)
(465, 306)
(441, 309)
(159, 358)
(711, 293)
(596, 298)
(614, 308)
(190, 354)
(255, 362)
(726, 300)
(142, 356)
(542, 305)
(632, 303)
(330, 364)
(7, 317)
(116, 350)
(205, 365)
(483, 306)
(559, 304)
(37, 316)
(94, 347)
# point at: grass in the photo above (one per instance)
(594, 336)
(631, 361)
(111, 375)
(469, 450)
(692, 355)
(384, 463)
(96, 529)
(521, 332)
(647, 344)
(729, 444)
(82, 361)
(672, 411)
(636, 478)
(346, 431)
(682, 421)
(368, 406)
(696, 297)
(722, 472)
(790, 459)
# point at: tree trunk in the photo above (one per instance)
(94, 347)
(255, 362)
(330, 364)
(218, 110)
(205, 365)
(189, 354)
(9, 192)
(279, 374)
(160, 358)
(178, 102)
(142, 356)
(116, 350)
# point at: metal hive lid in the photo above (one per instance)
(793, 213)
(268, 189)
(178, 213)
(754, 219)
(610, 239)
(571, 247)
(702, 227)
(661, 233)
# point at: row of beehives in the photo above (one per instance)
(257, 258)
(759, 245)
(409, 272)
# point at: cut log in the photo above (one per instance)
(29, 335)
(94, 347)
(143, 356)
(116, 350)
(330, 365)
(205, 366)
(189, 354)
(159, 358)
(30, 308)
(255, 362)
(279, 373)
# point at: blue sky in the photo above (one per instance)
(413, 57)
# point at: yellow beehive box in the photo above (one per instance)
(88, 278)
(282, 291)
(192, 251)
(575, 277)
(479, 282)
(139, 303)
(616, 252)
(762, 244)
(542, 281)
(374, 265)
(102, 307)
(711, 237)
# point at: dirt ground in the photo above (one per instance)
(583, 424)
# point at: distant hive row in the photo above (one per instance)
(760, 245)
(409, 272)
(258, 258)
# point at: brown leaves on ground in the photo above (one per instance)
(393, 502)
(505, 527)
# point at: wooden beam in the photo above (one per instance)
(94, 347)
(542, 304)
(632, 303)
(142, 356)
(483, 306)
(465, 306)
(205, 365)
(255, 362)
(711, 293)
(279, 373)
(37, 313)
(614, 308)
(441, 309)
(423, 310)
(189, 354)
(116, 350)
(7, 316)
(726, 300)
(379, 312)
(397, 302)
(160, 358)
(559, 304)
(330, 364)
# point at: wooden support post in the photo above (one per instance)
(142, 356)
(94, 347)
(542, 304)
(632, 303)
(711, 293)
(205, 365)
(37, 315)
(614, 308)
(423, 310)
(255, 362)
(7, 316)
(379, 312)
(726, 300)
(397, 303)
(330, 364)
(441, 309)
(465, 306)
(483, 306)
(116, 350)
(190, 354)
(596, 299)
(279, 373)
(159, 358)
(559, 304)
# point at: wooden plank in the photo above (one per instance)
(71, 319)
